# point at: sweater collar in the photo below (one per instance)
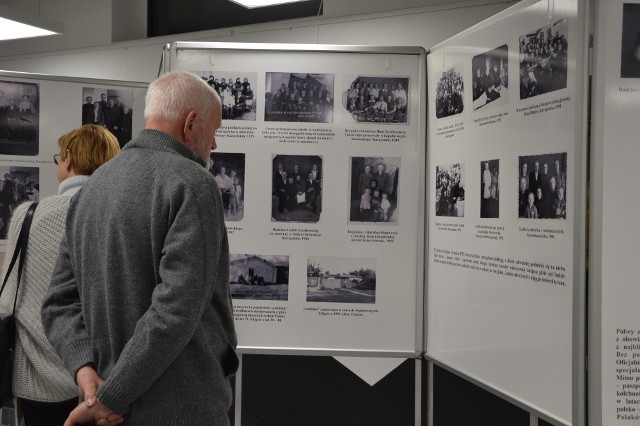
(161, 141)
(71, 185)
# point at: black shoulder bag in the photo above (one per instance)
(8, 323)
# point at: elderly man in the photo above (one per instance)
(139, 307)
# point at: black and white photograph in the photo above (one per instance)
(19, 118)
(19, 184)
(489, 189)
(341, 279)
(543, 60)
(374, 190)
(378, 99)
(300, 97)
(450, 190)
(259, 277)
(110, 108)
(296, 188)
(237, 91)
(542, 186)
(491, 78)
(450, 92)
(630, 49)
(228, 170)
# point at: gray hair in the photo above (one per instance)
(176, 93)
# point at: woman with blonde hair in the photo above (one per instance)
(46, 391)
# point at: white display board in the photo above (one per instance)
(35, 110)
(322, 260)
(614, 317)
(506, 279)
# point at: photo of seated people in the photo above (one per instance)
(542, 186)
(490, 78)
(449, 93)
(19, 118)
(236, 90)
(543, 60)
(259, 277)
(450, 190)
(228, 170)
(490, 189)
(296, 188)
(299, 97)
(374, 190)
(109, 108)
(630, 48)
(377, 99)
(19, 184)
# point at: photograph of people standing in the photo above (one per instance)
(374, 190)
(110, 108)
(228, 170)
(19, 118)
(296, 188)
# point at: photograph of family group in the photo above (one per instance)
(450, 190)
(299, 97)
(236, 90)
(489, 189)
(543, 60)
(491, 78)
(542, 186)
(378, 99)
(449, 92)
(110, 108)
(374, 190)
(296, 188)
(341, 279)
(19, 118)
(259, 277)
(19, 184)
(228, 170)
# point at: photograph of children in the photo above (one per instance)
(542, 186)
(20, 184)
(110, 108)
(491, 78)
(374, 190)
(630, 49)
(450, 190)
(489, 188)
(341, 279)
(19, 118)
(236, 90)
(299, 97)
(259, 277)
(378, 99)
(543, 60)
(297, 188)
(449, 93)
(228, 170)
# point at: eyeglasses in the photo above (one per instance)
(56, 158)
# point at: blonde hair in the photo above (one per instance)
(90, 147)
(176, 93)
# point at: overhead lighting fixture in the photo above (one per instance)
(16, 24)
(252, 4)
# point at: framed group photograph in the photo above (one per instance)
(298, 97)
(491, 78)
(374, 190)
(19, 118)
(237, 91)
(371, 99)
(542, 186)
(228, 170)
(449, 92)
(110, 108)
(450, 190)
(296, 188)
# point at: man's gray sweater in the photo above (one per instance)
(141, 287)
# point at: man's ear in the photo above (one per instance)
(189, 122)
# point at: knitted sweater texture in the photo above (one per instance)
(38, 372)
(141, 287)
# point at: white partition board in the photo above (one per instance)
(320, 273)
(614, 317)
(54, 106)
(505, 280)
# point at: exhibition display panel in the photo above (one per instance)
(320, 162)
(506, 183)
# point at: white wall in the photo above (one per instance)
(139, 60)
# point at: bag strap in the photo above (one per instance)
(21, 248)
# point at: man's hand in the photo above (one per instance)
(88, 383)
(97, 414)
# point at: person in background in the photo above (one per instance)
(45, 390)
(139, 307)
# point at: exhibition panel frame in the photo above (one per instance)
(506, 197)
(320, 160)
